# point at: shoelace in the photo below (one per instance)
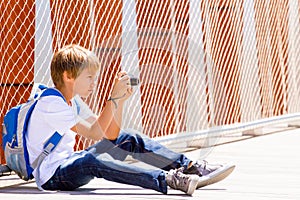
(201, 166)
(178, 174)
(204, 163)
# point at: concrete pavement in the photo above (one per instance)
(267, 167)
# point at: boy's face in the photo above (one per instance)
(85, 83)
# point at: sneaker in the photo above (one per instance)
(209, 173)
(179, 181)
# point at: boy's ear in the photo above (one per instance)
(67, 77)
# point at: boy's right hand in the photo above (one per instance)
(122, 89)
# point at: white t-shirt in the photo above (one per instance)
(53, 114)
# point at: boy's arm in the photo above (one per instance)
(109, 122)
(116, 122)
(112, 130)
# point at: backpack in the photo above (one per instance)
(15, 126)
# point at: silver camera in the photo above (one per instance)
(134, 81)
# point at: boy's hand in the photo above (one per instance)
(122, 89)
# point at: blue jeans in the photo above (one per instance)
(104, 160)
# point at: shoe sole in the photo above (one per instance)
(215, 176)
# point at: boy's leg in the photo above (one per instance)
(153, 153)
(141, 148)
(82, 167)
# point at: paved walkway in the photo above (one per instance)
(267, 167)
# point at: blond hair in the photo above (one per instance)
(73, 59)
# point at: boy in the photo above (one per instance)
(73, 71)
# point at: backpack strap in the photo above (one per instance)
(49, 146)
(52, 92)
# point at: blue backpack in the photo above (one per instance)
(15, 126)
